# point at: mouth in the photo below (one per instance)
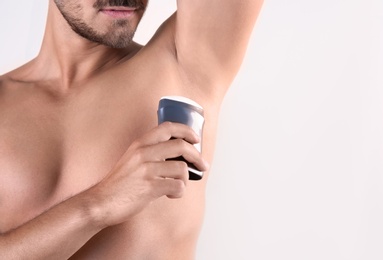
(118, 11)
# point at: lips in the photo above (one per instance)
(118, 11)
(118, 8)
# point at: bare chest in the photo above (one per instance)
(52, 150)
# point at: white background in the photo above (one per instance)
(298, 171)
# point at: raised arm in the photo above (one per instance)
(211, 36)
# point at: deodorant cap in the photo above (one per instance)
(192, 103)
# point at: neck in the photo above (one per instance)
(69, 58)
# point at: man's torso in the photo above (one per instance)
(54, 146)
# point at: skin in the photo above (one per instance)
(82, 160)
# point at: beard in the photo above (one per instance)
(119, 35)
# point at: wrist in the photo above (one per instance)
(95, 208)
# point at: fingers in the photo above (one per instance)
(175, 148)
(172, 188)
(167, 130)
(172, 177)
(168, 170)
(157, 146)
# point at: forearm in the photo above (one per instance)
(56, 234)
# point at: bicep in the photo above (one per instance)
(211, 36)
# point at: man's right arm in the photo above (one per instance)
(56, 234)
(139, 177)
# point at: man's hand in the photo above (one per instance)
(143, 174)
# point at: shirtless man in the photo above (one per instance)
(82, 161)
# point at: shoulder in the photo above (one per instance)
(5, 82)
(13, 83)
(1, 85)
(5, 89)
(17, 75)
(8, 80)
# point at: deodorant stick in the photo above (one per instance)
(183, 110)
